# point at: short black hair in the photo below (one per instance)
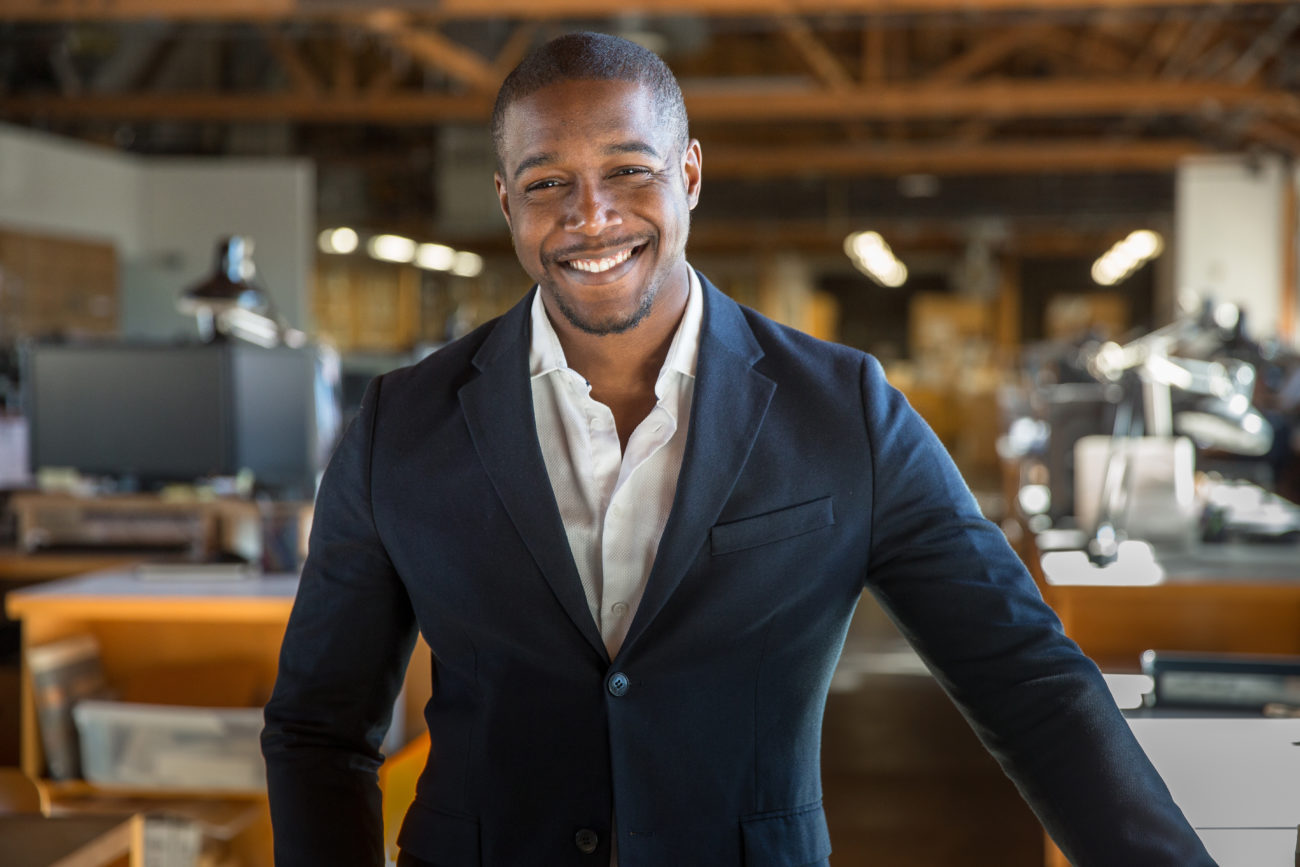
(592, 57)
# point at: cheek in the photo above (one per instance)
(527, 235)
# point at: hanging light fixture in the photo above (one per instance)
(230, 287)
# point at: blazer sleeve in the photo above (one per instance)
(967, 604)
(345, 650)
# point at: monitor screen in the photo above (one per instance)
(153, 413)
(157, 413)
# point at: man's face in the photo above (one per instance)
(598, 195)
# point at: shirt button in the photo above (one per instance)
(618, 684)
(618, 609)
(586, 841)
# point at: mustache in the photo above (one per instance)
(564, 254)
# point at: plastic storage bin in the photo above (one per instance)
(168, 747)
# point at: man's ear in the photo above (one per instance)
(503, 196)
(691, 168)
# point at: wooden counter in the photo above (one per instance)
(21, 567)
(230, 629)
(1223, 598)
(146, 625)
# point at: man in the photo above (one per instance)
(632, 519)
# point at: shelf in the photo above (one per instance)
(221, 815)
(61, 790)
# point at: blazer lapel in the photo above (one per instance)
(731, 400)
(498, 407)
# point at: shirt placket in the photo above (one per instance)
(623, 566)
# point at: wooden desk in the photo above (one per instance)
(141, 625)
(17, 570)
(145, 624)
(72, 841)
(1229, 598)
(20, 567)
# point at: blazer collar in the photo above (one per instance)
(731, 399)
(498, 407)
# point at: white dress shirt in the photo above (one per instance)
(614, 505)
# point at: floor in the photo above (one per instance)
(906, 783)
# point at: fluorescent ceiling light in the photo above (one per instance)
(467, 264)
(435, 257)
(391, 248)
(340, 240)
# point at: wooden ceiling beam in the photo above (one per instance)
(874, 53)
(823, 62)
(707, 104)
(1165, 39)
(1195, 42)
(984, 53)
(345, 66)
(984, 99)
(516, 47)
(434, 50)
(285, 52)
(1265, 46)
(257, 10)
(1275, 135)
(974, 130)
(1099, 54)
(946, 158)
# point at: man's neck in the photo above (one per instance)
(623, 368)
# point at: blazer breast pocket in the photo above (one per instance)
(771, 527)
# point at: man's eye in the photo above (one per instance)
(631, 170)
(541, 185)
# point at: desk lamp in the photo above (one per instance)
(1221, 415)
(230, 302)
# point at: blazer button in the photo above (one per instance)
(618, 684)
(586, 841)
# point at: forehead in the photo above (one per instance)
(570, 117)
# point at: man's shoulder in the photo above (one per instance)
(784, 347)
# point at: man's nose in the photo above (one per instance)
(591, 211)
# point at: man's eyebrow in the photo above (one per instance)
(632, 147)
(531, 163)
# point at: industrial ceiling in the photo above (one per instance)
(811, 112)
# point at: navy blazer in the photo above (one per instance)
(806, 479)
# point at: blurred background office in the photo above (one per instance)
(1067, 227)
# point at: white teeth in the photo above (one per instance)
(596, 266)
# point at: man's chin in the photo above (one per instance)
(607, 326)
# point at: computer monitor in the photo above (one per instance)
(158, 413)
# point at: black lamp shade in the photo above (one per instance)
(230, 284)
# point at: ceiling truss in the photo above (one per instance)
(777, 90)
(876, 86)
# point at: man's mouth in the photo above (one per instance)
(604, 263)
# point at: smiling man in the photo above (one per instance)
(632, 519)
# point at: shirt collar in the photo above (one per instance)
(546, 354)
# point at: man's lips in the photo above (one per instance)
(598, 264)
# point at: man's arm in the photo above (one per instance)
(345, 650)
(966, 602)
